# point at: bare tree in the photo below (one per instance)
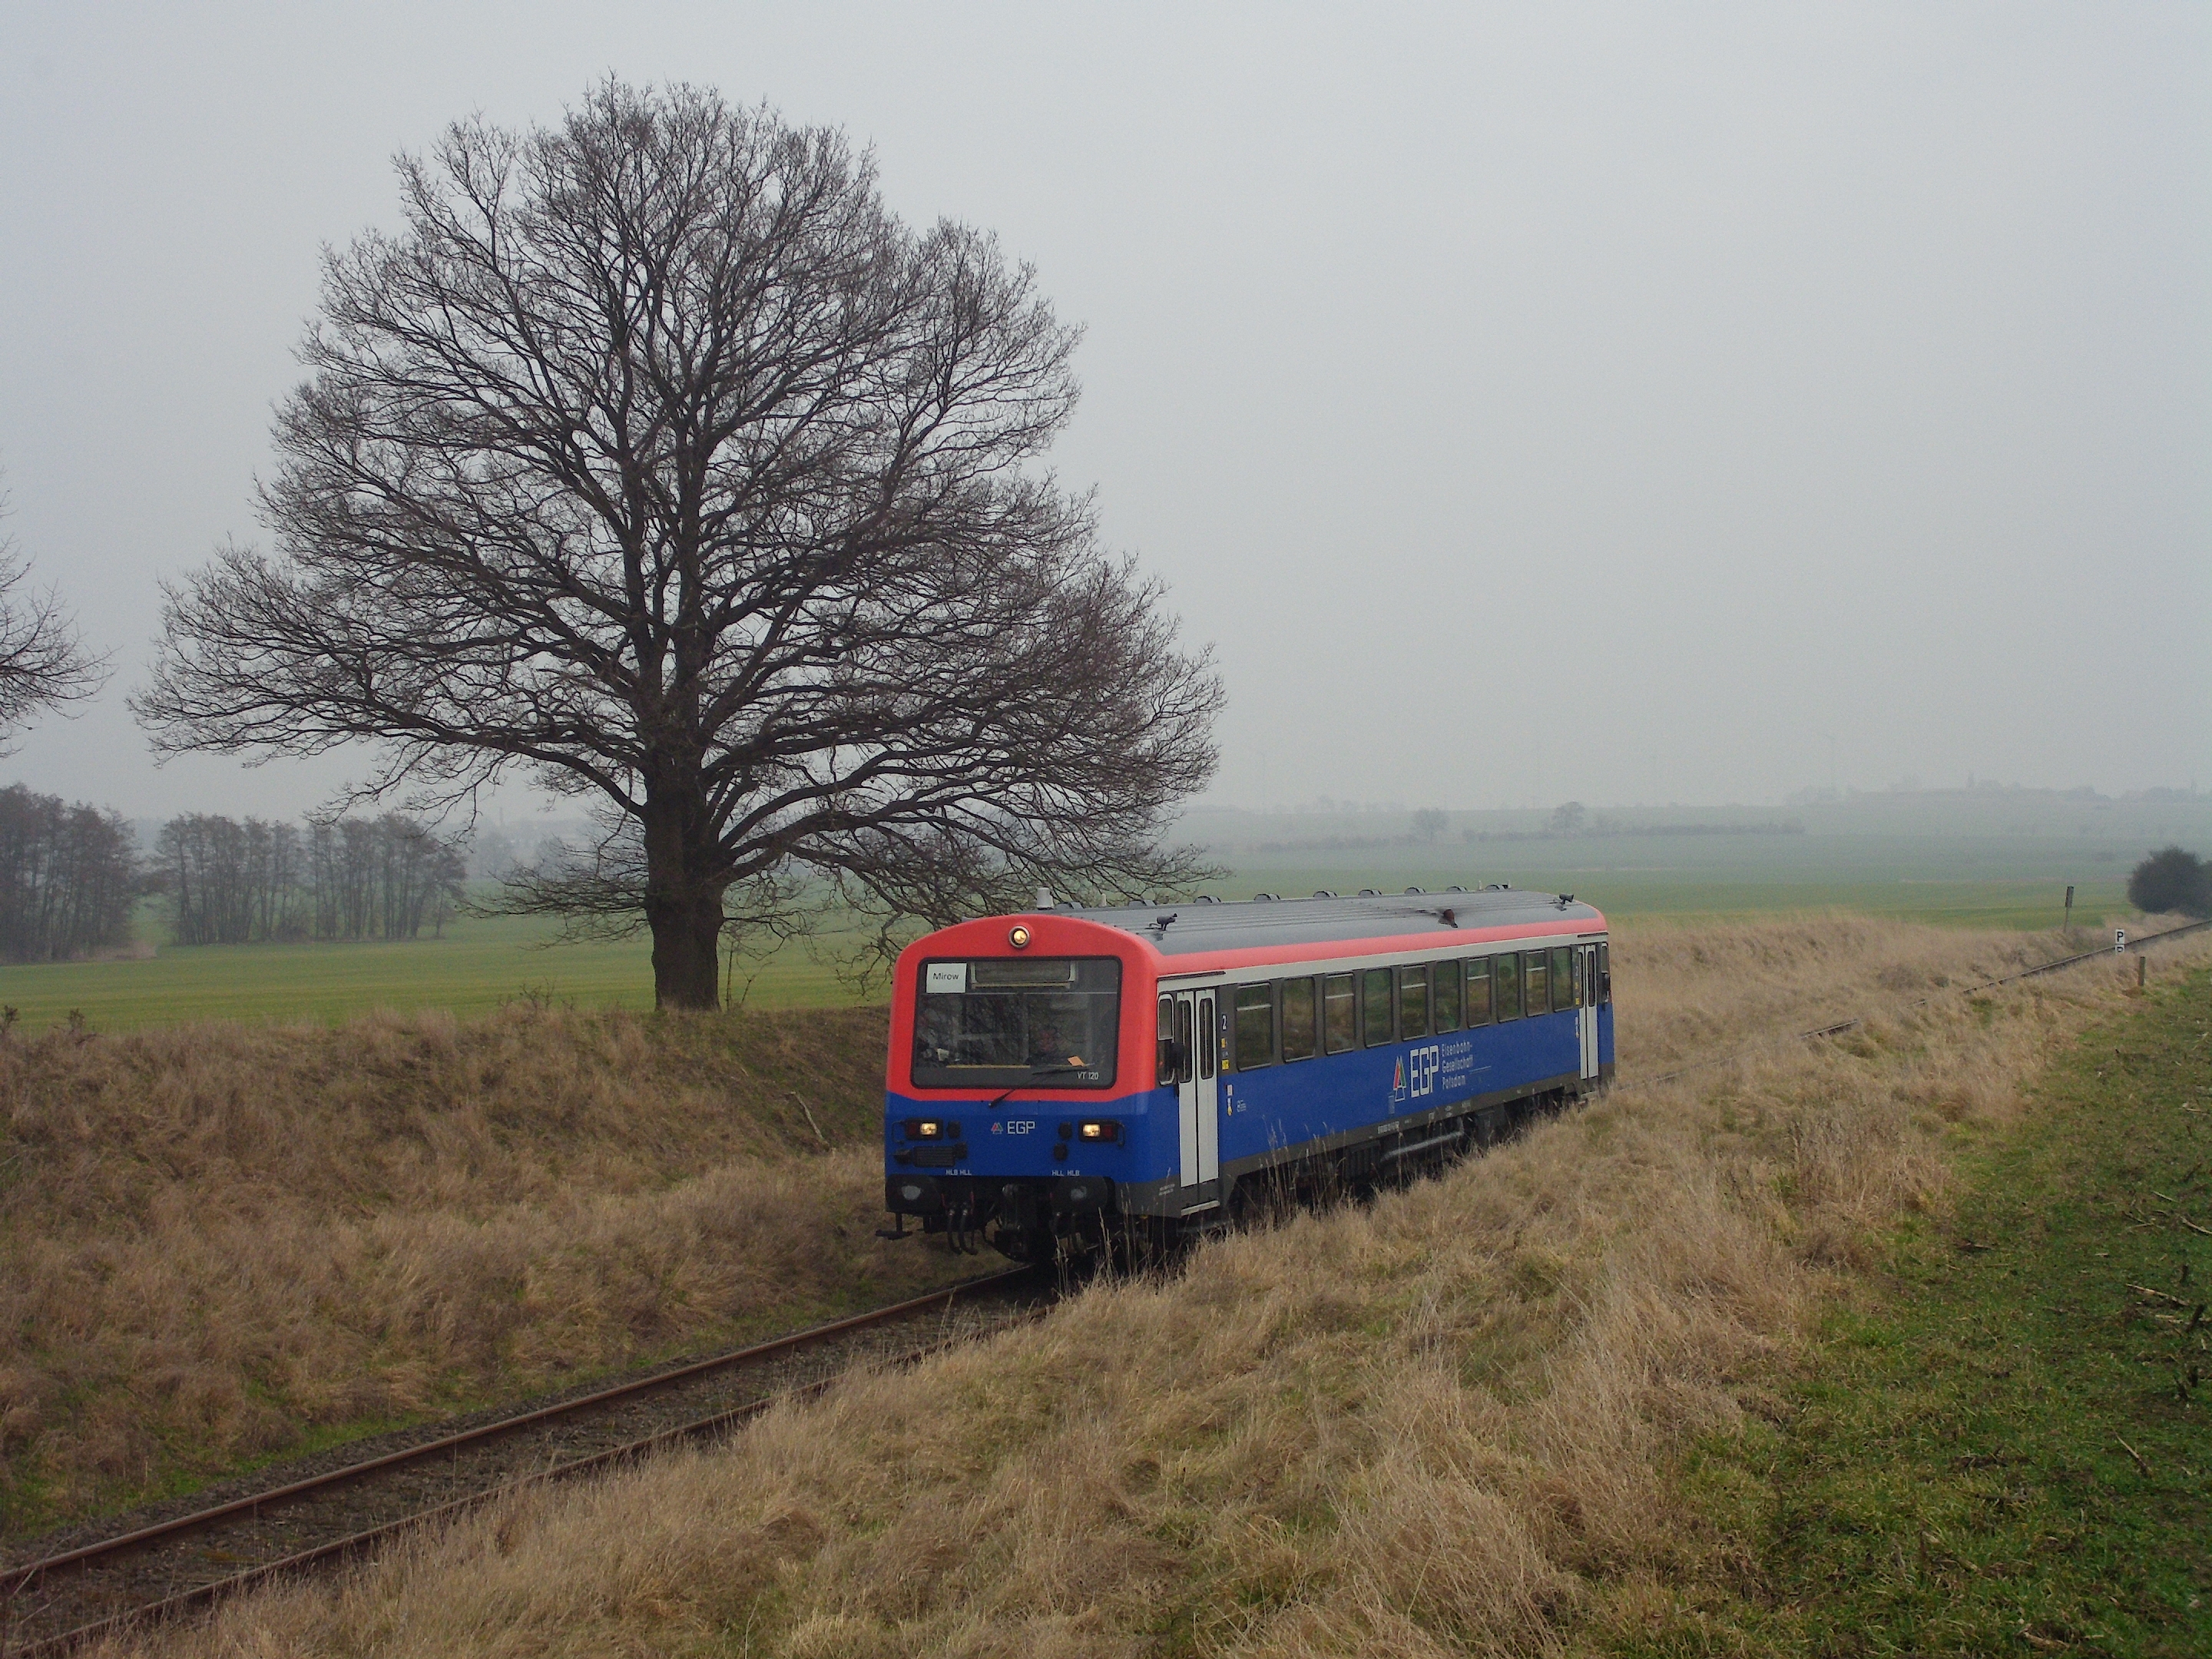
(43, 662)
(657, 458)
(259, 882)
(68, 878)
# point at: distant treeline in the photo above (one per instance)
(69, 876)
(1595, 832)
(1781, 827)
(262, 882)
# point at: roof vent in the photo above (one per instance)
(1207, 898)
(1265, 898)
(1454, 889)
(1323, 892)
(1370, 892)
(1413, 891)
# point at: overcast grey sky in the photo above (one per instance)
(1529, 401)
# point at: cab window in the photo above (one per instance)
(996, 1022)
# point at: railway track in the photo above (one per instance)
(186, 1563)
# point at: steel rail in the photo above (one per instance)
(13, 1580)
(202, 1596)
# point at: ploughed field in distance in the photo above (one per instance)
(1455, 1416)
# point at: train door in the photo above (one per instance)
(1198, 1083)
(1586, 999)
(1208, 1084)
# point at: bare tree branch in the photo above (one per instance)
(43, 661)
(656, 459)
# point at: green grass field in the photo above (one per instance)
(1961, 880)
(2002, 1448)
(1958, 880)
(479, 963)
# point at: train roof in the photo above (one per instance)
(1188, 927)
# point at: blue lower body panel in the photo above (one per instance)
(1026, 1156)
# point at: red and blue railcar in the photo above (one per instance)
(1069, 1075)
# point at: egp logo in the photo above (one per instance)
(1424, 1064)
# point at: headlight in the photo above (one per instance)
(929, 1128)
(1097, 1130)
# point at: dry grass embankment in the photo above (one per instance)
(224, 1242)
(1449, 1422)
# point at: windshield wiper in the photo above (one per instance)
(1038, 1074)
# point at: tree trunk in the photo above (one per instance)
(687, 934)
(683, 907)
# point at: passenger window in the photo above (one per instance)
(1208, 1027)
(1506, 979)
(1164, 1067)
(1255, 1026)
(1478, 992)
(1413, 1002)
(1340, 1013)
(1299, 1024)
(1375, 1006)
(1565, 992)
(1535, 985)
(1444, 995)
(1604, 974)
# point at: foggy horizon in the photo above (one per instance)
(1616, 406)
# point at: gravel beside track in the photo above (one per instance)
(49, 1602)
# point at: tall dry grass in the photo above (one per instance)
(223, 1241)
(1450, 1422)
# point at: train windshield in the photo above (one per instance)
(999, 1023)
